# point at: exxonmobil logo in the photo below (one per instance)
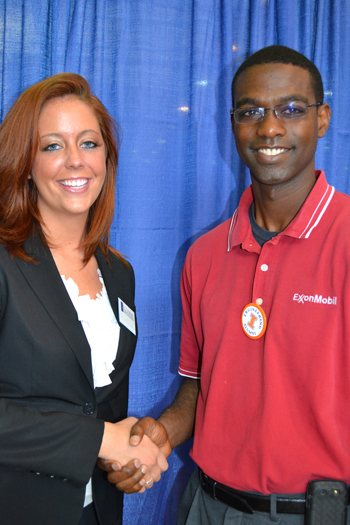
(319, 299)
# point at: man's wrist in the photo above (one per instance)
(168, 445)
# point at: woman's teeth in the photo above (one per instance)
(75, 183)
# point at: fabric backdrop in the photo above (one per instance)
(163, 68)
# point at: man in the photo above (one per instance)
(265, 338)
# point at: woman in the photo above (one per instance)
(67, 314)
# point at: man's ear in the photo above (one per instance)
(324, 116)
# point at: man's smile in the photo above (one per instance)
(271, 152)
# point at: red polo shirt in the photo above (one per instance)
(273, 412)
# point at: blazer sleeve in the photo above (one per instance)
(54, 443)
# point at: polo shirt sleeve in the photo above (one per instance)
(190, 350)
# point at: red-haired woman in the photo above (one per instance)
(67, 313)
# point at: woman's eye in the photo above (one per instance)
(89, 144)
(52, 147)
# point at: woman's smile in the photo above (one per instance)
(74, 184)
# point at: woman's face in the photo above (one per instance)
(69, 167)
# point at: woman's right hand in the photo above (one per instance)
(132, 477)
(115, 445)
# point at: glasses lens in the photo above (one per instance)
(249, 115)
(291, 111)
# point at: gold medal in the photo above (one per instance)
(253, 321)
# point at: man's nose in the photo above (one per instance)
(271, 126)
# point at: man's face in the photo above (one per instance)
(278, 151)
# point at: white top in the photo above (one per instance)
(102, 332)
(101, 329)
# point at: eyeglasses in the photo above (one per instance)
(290, 111)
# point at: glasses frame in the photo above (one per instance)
(234, 111)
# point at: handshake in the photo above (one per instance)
(140, 448)
(134, 452)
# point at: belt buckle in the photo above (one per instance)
(211, 483)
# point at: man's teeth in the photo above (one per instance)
(272, 151)
(76, 183)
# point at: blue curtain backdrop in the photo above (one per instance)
(163, 69)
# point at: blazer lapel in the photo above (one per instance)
(115, 289)
(110, 280)
(46, 282)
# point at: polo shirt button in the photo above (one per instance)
(264, 267)
(259, 301)
(89, 409)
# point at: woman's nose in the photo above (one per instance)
(74, 157)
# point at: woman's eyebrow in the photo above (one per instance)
(60, 135)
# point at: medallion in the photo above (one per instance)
(253, 321)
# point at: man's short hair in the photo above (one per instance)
(282, 55)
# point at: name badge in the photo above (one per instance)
(126, 316)
(253, 321)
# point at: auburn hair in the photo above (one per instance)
(19, 213)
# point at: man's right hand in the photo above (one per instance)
(130, 478)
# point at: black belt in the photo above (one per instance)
(248, 502)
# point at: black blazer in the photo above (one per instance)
(50, 414)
